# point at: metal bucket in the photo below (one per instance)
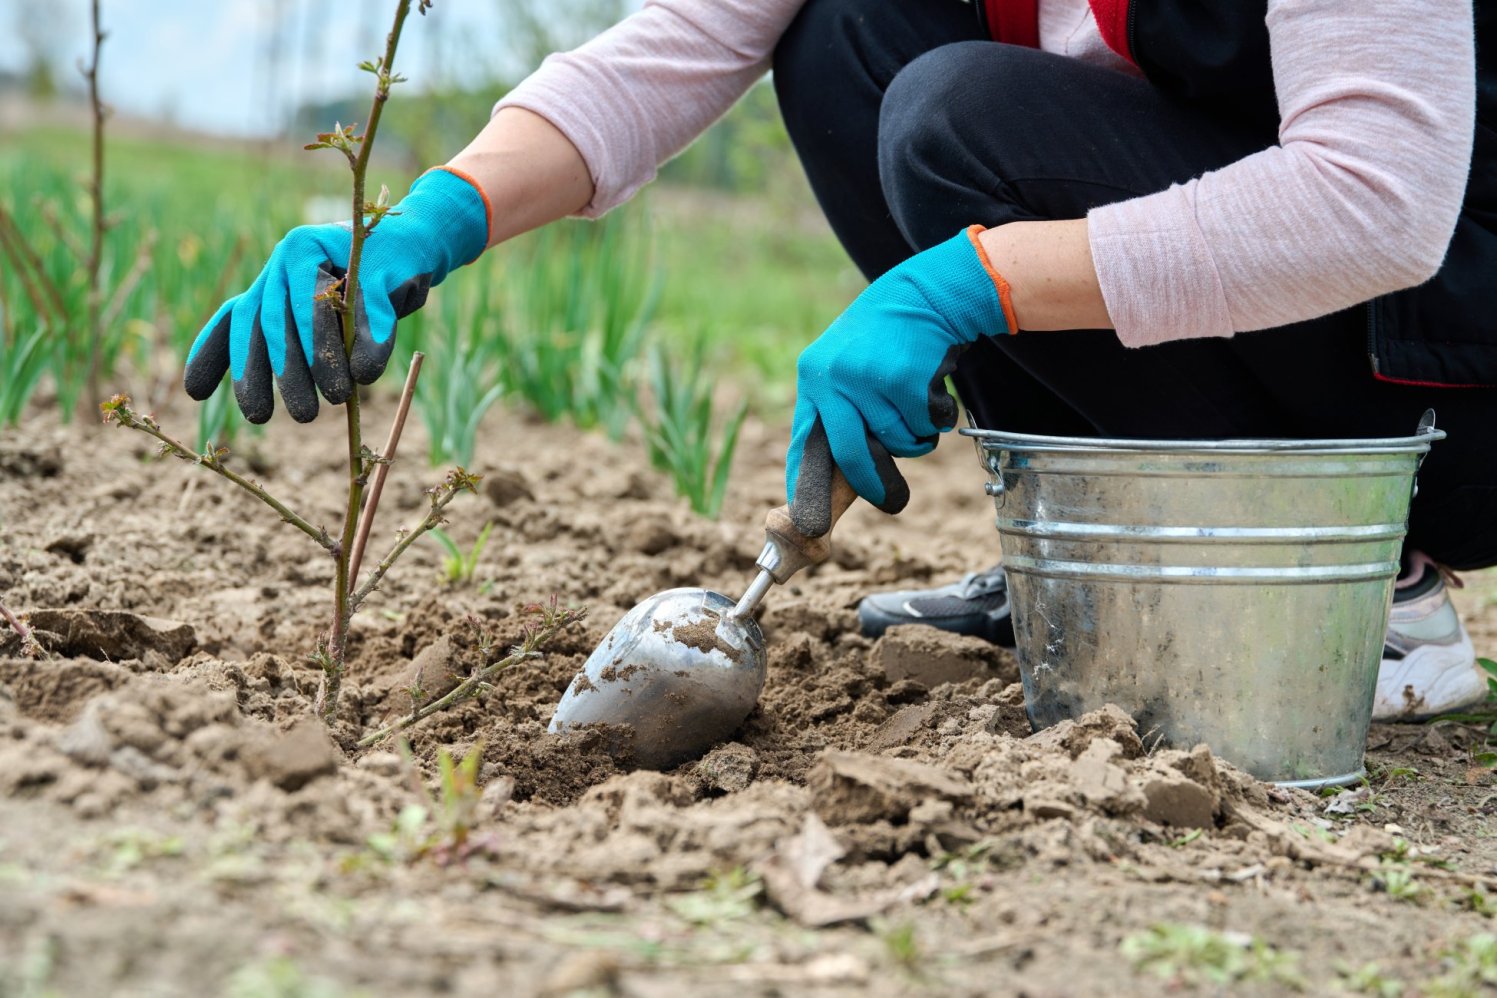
(1230, 592)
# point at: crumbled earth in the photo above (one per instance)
(174, 821)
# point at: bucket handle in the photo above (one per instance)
(1426, 428)
(992, 462)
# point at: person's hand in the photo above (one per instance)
(872, 387)
(276, 327)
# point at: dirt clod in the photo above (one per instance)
(505, 486)
(853, 787)
(931, 657)
(114, 635)
(435, 671)
(728, 768)
(293, 759)
(1177, 801)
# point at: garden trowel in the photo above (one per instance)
(683, 669)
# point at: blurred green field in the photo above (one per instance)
(754, 276)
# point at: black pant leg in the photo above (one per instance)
(831, 70)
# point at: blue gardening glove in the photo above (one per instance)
(872, 387)
(277, 327)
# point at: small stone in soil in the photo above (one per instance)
(294, 759)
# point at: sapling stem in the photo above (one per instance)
(382, 467)
(347, 548)
(337, 645)
(553, 620)
(117, 410)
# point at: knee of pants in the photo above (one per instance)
(817, 56)
(933, 173)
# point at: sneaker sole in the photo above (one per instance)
(1430, 681)
(873, 622)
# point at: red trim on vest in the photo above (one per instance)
(1014, 21)
(1424, 384)
(1112, 23)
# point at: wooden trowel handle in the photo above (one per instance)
(811, 550)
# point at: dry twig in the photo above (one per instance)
(553, 620)
(117, 410)
(382, 467)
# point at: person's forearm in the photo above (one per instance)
(1048, 267)
(529, 171)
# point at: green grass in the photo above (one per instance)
(681, 432)
(1198, 956)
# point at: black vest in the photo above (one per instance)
(1443, 332)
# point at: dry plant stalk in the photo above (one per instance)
(101, 309)
(377, 483)
(93, 329)
(553, 618)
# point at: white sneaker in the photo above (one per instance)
(1429, 665)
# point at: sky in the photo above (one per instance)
(239, 67)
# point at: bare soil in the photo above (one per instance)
(173, 822)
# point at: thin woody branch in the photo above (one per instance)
(553, 620)
(456, 482)
(117, 410)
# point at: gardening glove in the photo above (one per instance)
(277, 326)
(872, 387)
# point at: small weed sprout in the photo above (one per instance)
(459, 566)
(725, 896)
(1397, 881)
(1196, 955)
(902, 944)
(967, 870)
(1472, 969)
(1369, 979)
(1478, 901)
(442, 828)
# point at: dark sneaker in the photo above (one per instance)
(1429, 665)
(977, 605)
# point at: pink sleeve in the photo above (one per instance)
(637, 94)
(1360, 197)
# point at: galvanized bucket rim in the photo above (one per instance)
(1005, 440)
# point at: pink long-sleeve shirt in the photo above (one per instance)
(1359, 197)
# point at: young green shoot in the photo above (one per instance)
(458, 566)
(681, 432)
(1198, 956)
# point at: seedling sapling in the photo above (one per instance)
(346, 548)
